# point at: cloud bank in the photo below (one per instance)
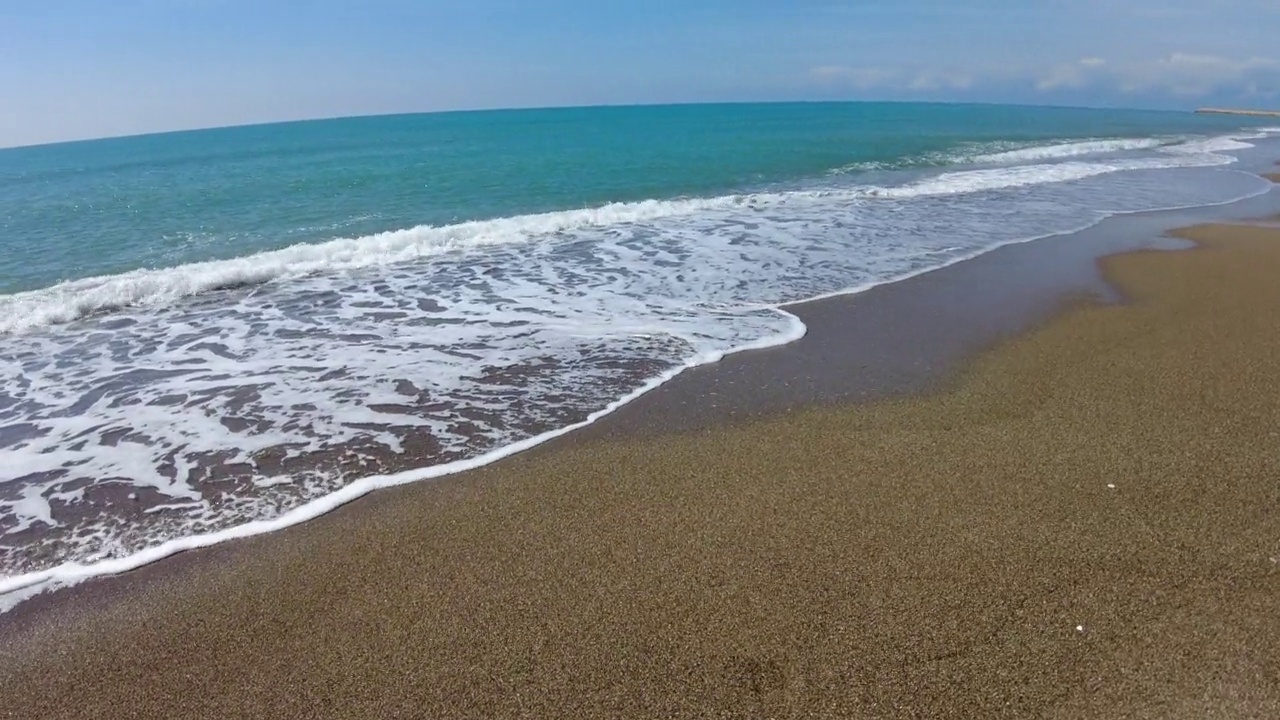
(1181, 75)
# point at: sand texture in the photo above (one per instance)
(1085, 523)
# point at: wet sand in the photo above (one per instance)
(1082, 522)
(903, 338)
(908, 337)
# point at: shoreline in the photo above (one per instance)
(1051, 294)
(841, 558)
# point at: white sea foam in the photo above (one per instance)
(75, 299)
(1001, 178)
(15, 589)
(1212, 146)
(1010, 153)
(1069, 150)
(215, 415)
(972, 181)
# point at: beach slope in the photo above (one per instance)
(1082, 523)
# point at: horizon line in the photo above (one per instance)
(584, 106)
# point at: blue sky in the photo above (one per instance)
(90, 68)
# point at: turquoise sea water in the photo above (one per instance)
(90, 208)
(204, 330)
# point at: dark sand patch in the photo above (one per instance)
(955, 555)
(898, 339)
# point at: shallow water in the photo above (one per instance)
(205, 330)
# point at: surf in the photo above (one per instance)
(169, 407)
(74, 299)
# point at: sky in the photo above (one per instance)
(74, 69)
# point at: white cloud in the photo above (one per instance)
(867, 78)
(1070, 76)
(1187, 74)
(1176, 75)
(932, 80)
(1182, 74)
(862, 78)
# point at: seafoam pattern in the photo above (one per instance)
(151, 410)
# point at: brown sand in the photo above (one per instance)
(903, 338)
(957, 555)
(1273, 177)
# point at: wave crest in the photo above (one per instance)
(75, 299)
(1068, 150)
(71, 300)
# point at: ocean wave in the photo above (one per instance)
(1068, 150)
(482, 354)
(971, 181)
(1003, 178)
(1006, 152)
(75, 299)
(1212, 146)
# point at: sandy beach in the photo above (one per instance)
(1079, 522)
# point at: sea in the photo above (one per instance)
(211, 334)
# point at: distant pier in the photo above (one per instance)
(1229, 111)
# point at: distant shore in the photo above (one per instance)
(1077, 523)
